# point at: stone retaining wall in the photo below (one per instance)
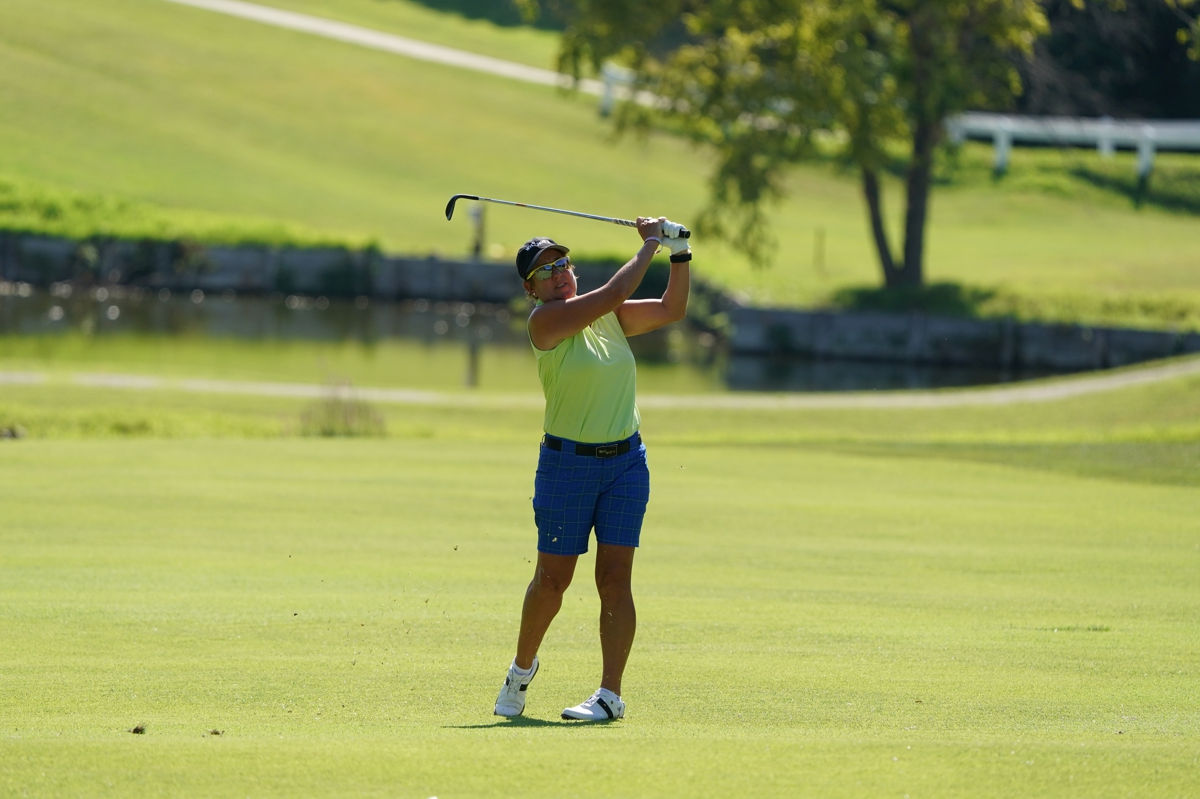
(819, 335)
(922, 339)
(260, 270)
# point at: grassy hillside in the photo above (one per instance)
(142, 117)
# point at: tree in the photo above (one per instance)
(763, 79)
(1120, 60)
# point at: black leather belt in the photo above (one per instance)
(591, 450)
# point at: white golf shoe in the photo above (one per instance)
(511, 701)
(603, 705)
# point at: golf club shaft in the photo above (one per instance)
(684, 232)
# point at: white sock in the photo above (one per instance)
(520, 672)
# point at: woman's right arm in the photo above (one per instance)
(554, 322)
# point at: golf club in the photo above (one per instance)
(679, 230)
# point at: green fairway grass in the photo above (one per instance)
(287, 617)
(968, 600)
(147, 118)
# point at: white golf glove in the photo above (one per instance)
(676, 245)
(671, 230)
(674, 238)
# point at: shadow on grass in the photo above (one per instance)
(1176, 189)
(942, 299)
(525, 721)
(498, 12)
(1166, 463)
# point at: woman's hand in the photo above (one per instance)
(650, 227)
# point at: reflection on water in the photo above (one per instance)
(100, 311)
(676, 359)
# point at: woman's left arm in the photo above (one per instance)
(642, 316)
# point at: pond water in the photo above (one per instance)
(484, 339)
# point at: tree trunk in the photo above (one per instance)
(870, 187)
(916, 214)
(925, 123)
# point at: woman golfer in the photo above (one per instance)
(591, 471)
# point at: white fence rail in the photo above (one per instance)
(1107, 135)
(1146, 136)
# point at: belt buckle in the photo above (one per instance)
(606, 451)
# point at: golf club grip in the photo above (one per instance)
(684, 233)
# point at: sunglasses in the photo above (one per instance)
(547, 271)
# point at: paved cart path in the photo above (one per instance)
(388, 42)
(1047, 390)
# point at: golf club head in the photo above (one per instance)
(453, 200)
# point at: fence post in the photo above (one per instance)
(955, 130)
(1145, 151)
(1104, 138)
(608, 98)
(1003, 143)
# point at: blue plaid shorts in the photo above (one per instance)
(579, 487)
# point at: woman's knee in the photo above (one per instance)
(614, 570)
(553, 573)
